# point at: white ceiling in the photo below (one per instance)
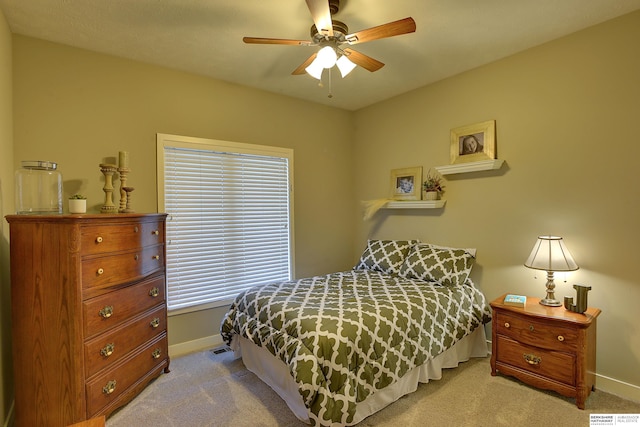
(205, 37)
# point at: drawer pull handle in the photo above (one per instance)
(100, 271)
(99, 239)
(156, 257)
(531, 328)
(560, 338)
(155, 232)
(109, 388)
(507, 325)
(532, 359)
(156, 353)
(154, 292)
(136, 257)
(106, 312)
(155, 323)
(135, 229)
(107, 350)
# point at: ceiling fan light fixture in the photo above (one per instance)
(345, 65)
(327, 57)
(315, 69)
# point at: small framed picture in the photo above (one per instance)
(473, 143)
(406, 183)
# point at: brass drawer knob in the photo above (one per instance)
(106, 312)
(156, 353)
(156, 257)
(100, 271)
(507, 325)
(109, 388)
(99, 239)
(532, 359)
(531, 328)
(135, 229)
(107, 350)
(155, 232)
(155, 323)
(154, 292)
(560, 338)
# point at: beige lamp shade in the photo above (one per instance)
(550, 254)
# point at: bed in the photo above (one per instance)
(342, 346)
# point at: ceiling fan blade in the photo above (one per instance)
(301, 69)
(395, 28)
(263, 40)
(366, 62)
(321, 16)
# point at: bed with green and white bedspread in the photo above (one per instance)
(346, 335)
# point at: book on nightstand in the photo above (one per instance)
(515, 300)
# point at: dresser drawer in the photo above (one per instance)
(549, 364)
(115, 269)
(111, 346)
(106, 387)
(97, 239)
(538, 334)
(108, 310)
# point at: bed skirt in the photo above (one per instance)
(275, 373)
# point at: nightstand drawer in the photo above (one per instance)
(535, 333)
(549, 364)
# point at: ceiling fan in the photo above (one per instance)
(333, 36)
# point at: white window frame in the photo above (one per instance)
(167, 140)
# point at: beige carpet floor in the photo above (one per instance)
(207, 389)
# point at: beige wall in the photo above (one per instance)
(79, 108)
(6, 205)
(567, 116)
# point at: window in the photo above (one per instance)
(229, 224)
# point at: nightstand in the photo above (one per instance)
(546, 347)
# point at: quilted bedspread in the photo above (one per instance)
(348, 334)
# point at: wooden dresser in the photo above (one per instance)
(546, 347)
(88, 310)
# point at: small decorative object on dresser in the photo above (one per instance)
(77, 204)
(546, 347)
(88, 312)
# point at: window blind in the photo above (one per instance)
(228, 226)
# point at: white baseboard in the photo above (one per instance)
(618, 388)
(200, 344)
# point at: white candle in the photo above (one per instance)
(124, 159)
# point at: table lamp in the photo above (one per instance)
(550, 254)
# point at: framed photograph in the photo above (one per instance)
(473, 143)
(406, 183)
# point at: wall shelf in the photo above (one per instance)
(483, 165)
(415, 204)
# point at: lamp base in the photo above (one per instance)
(550, 299)
(550, 302)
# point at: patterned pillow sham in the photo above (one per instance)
(447, 266)
(385, 256)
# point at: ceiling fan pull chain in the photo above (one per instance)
(329, 74)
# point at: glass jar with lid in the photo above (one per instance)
(38, 188)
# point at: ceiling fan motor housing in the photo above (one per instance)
(340, 30)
